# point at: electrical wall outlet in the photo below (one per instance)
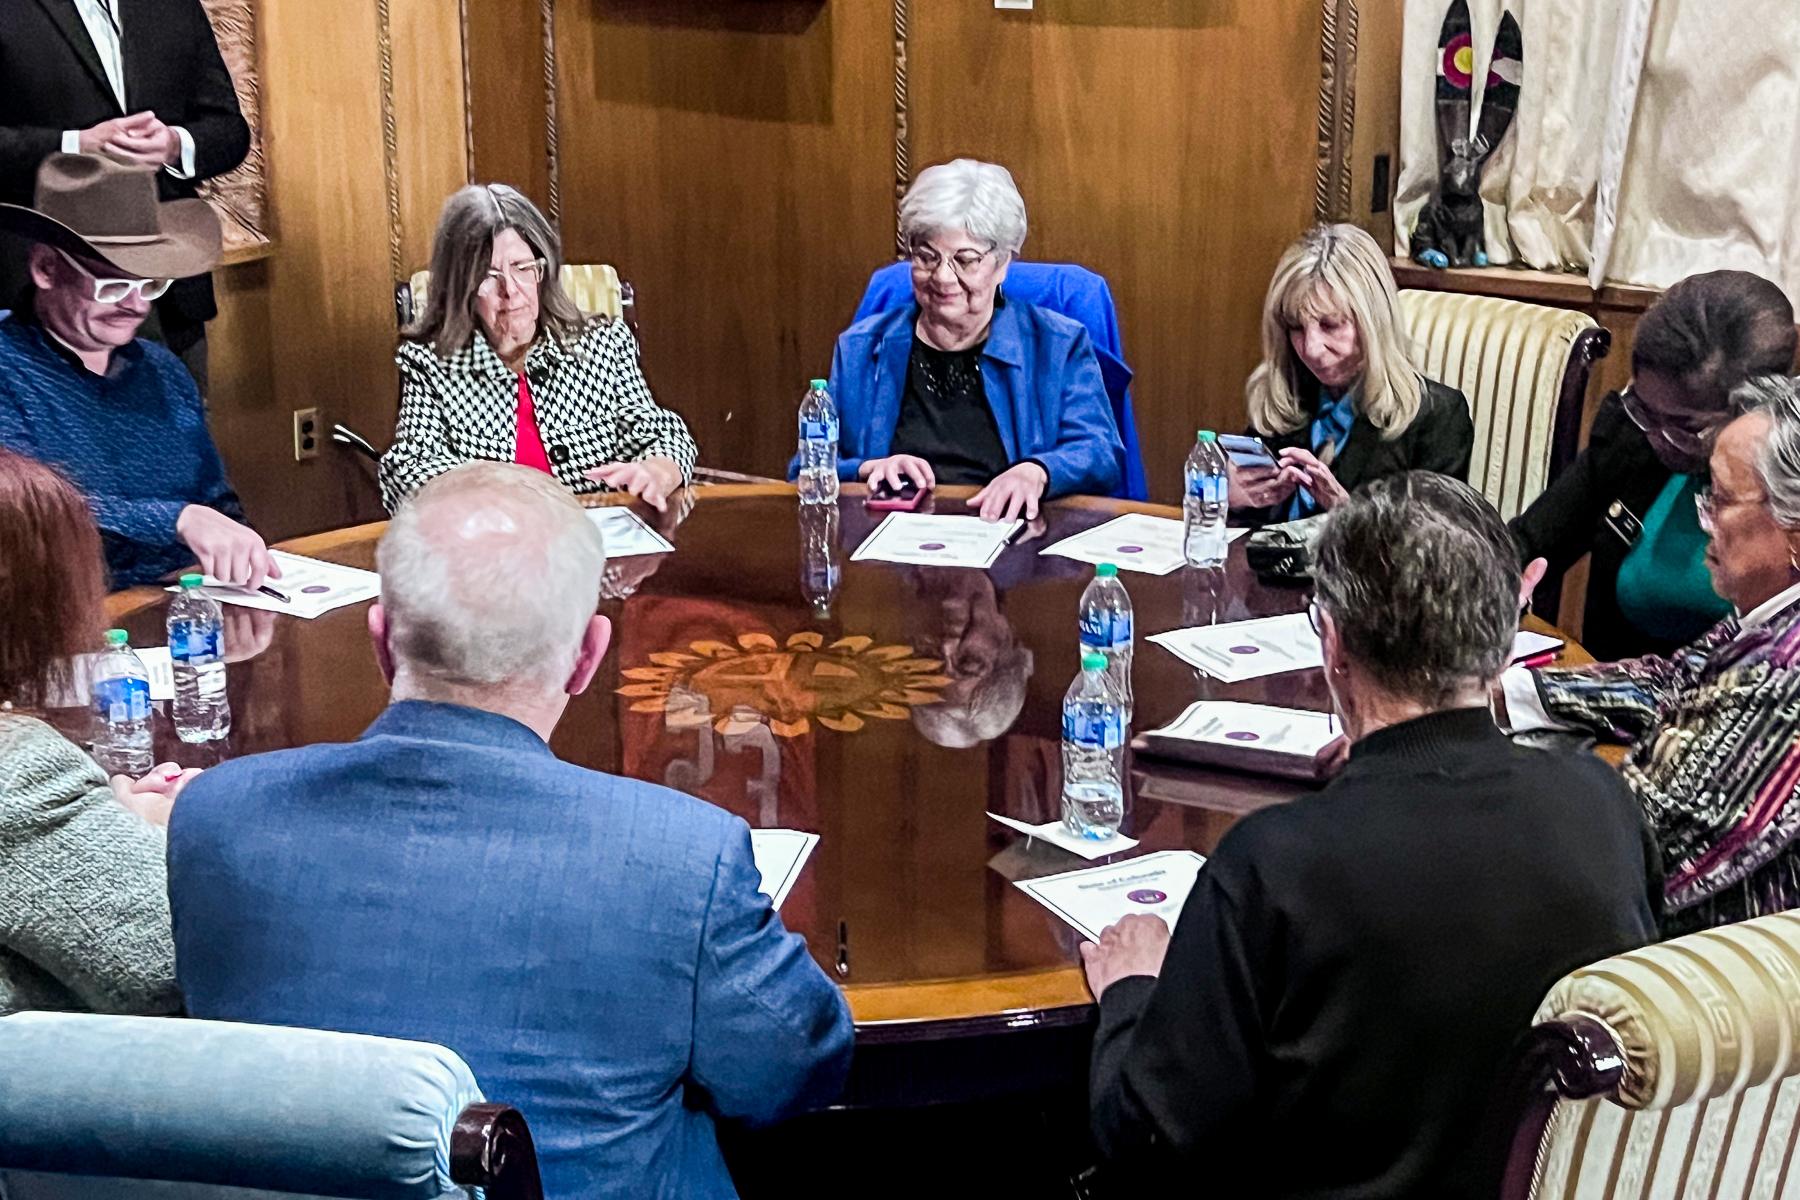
(306, 433)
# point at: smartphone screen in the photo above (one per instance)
(1246, 451)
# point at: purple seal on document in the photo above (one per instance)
(1147, 896)
(1246, 649)
(316, 589)
(1243, 735)
(932, 546)
(1131, 549)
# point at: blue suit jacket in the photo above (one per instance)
(596, 948)
(1042, 383)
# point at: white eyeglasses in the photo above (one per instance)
(114, 291)
(517, 275)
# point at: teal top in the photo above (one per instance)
(1664, 587)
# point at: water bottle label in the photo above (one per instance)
(1103, 630)
(194, 643)
(1208, 489)
(1094, 726)
(819, 431)
(122, 699)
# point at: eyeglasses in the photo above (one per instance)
(926, 260)
(1315, 619)
(1678, 437)
(1708, 504)
(115, 291)
(517, 275)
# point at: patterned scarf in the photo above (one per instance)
(1330, 426)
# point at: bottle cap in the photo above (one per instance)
(818, 384)
(1093, 662)
(117, 637)
(192, 580)
(1206, 435)
(1107, 571)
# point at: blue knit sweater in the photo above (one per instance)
(133, 440)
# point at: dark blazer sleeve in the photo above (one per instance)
(1559, 524)
(1445, 433)
(1174, 1062)
(22, 149)
(211, 115)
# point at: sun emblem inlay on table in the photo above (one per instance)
(792, 683)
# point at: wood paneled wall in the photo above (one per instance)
(737, 163)
(313, 323)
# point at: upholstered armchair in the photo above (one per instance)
(1524, 368)
(1670, 1073)
(136, 1108)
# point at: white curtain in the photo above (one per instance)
(1654, 138)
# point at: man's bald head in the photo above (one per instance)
(490, 574)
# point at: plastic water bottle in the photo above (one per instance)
(201, 711)
(818, 481)
(1093, 795)
(1107, 628)
(121, 709)
(1203, 502)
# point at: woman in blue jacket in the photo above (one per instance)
(964, 385)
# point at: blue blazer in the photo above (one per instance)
(596, 948)
(1042, 382)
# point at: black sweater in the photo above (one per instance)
(1350, 971)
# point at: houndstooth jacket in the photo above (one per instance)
(589, 398)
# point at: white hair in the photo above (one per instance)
(489, 574)
(977, 197)
(1778, 458)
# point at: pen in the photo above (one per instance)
(843, 948)
(266, 590)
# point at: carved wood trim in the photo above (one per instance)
(902, 126)
(390, 137)
(462, 12)
(1337, 110)
(240, 197)
(548, 9)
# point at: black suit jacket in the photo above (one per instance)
(1570, 519)
(1441, 438)
(51, 80)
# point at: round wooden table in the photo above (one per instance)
(889, 718)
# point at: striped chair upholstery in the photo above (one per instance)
(593, 286)
(1691, 1070)
(1524, 368)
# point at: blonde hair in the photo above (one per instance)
(1334, 269)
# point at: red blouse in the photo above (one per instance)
(528, 447)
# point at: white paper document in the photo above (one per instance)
(1262, 727)
(1095, 897)
(932, 541)
(1134, 542)
(625, 533)
(312, 587)
(1057, 834)
(1527, 644)
(1243, 650)
(780, 855)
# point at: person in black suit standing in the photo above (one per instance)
(141, 81)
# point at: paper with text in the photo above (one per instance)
(780, 855)
(312, 587)
(1242, 650)
(1263, 727)
(625, 533)
(1134, 542)
(929, 540)
(1095, 897)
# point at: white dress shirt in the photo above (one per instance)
(1525, 708)
(102, 20)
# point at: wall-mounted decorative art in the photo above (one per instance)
(241, 197)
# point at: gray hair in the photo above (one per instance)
(462, 251)
(1778, 458)
(489, 574)
(982, 708)
(967, 194)
(1421, 578)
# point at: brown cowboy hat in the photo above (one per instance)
(106, 211)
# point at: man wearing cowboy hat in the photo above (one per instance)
(81, 391)
(140, 81)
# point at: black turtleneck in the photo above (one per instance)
(1351, 969)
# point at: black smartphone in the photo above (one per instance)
(908, 496)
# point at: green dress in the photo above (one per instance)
(1664, 587)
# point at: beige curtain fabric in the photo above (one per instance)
(1710, 177)
(1654, 139)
